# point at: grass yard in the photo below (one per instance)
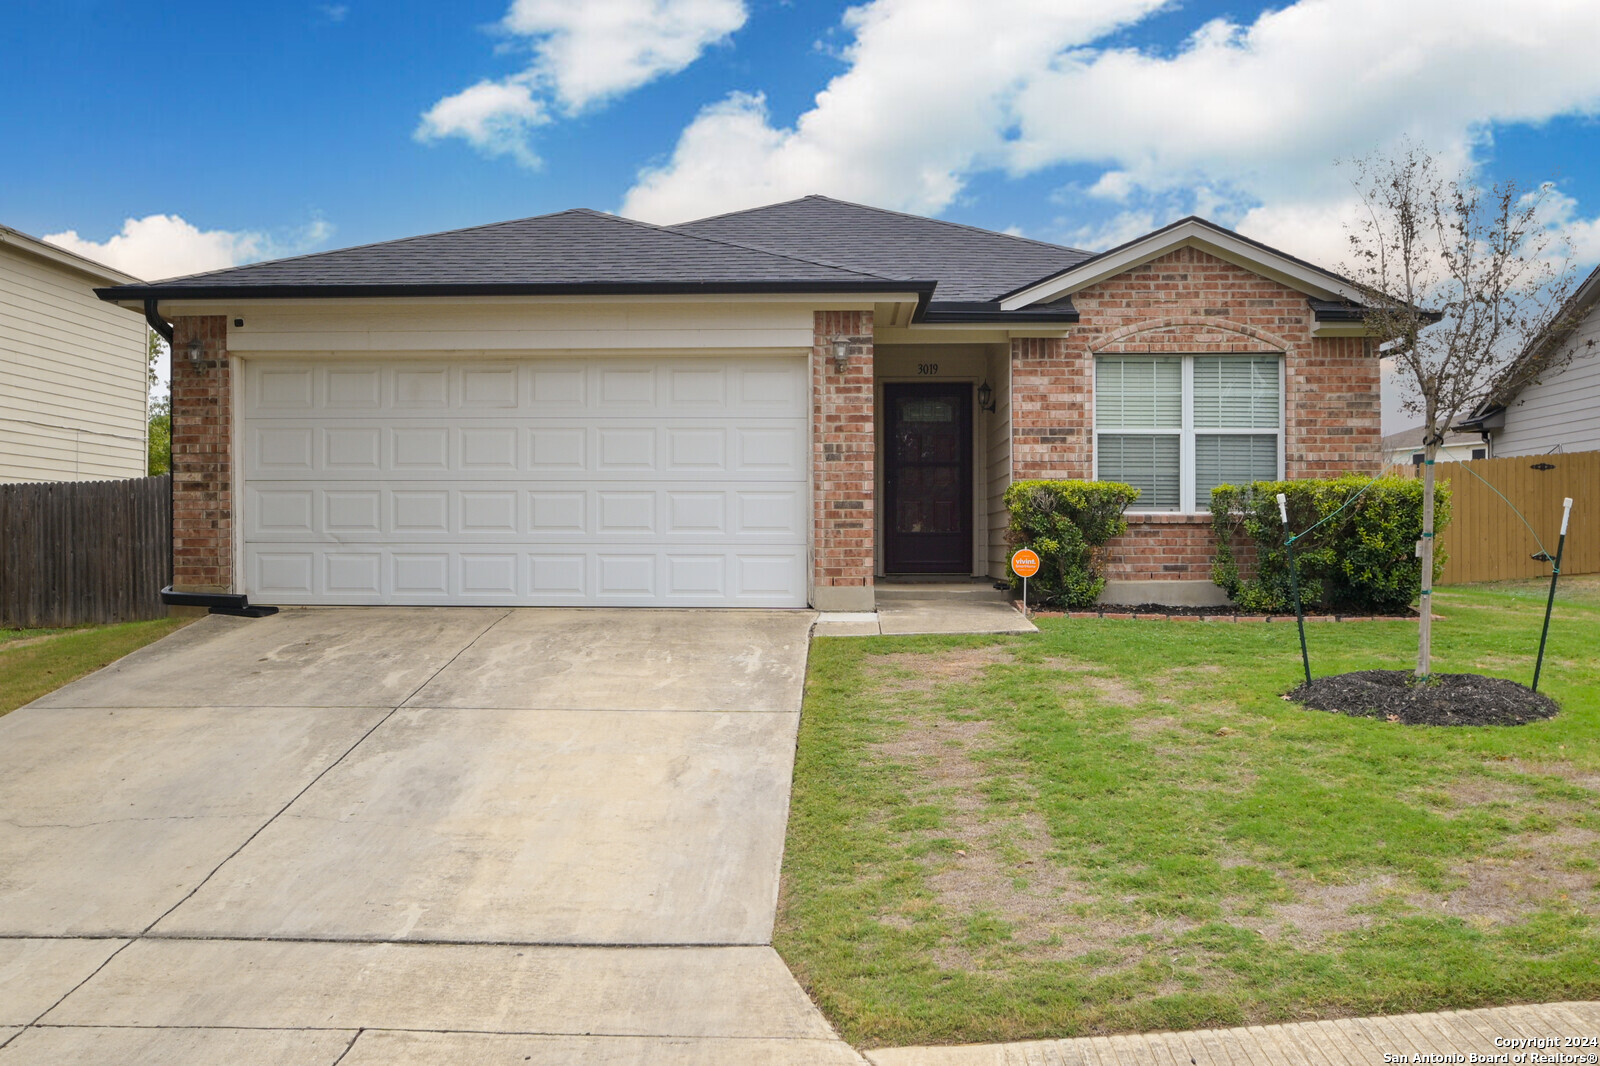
(1121, 825)
(36, 661)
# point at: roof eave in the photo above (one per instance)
(990, 311)
(923, 290)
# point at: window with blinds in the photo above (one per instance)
(1175, 427)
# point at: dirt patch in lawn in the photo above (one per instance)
(909, 671)
(1445, 699)
(1000, 867)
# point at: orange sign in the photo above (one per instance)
(1025, 563)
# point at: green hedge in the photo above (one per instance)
(1066, 523)
(1363, 560)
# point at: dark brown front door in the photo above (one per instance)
(928, 479)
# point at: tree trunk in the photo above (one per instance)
(1425, 554)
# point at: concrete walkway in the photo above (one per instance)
(409, 836)
(1345, 1042)
(930, 607)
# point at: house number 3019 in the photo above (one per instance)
(927, 368)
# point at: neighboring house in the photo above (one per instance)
(775, 407)
(1405, 448)
(1560, 412)
(74, 390)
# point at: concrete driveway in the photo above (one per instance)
(409, 836)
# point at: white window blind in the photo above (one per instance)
(1150, 463)
(1176, 427)
(1139, 392)
(1227, 459)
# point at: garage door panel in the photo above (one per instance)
(448, 574)
(509, 512)
(627, 482)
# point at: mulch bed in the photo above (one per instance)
(1215, 613)
(1446, 699)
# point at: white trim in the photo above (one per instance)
(1194, 233)
(1186, 432)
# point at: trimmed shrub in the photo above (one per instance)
(1067, 523)
(1364, 559)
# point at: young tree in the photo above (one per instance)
(1459, 285)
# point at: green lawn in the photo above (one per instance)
(1121, 825)
(36, 661)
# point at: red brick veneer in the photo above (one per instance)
(1190, 302)
(842, 462)
(202, 458)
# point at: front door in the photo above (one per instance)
(928, 478)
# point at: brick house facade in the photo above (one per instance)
(764, 458)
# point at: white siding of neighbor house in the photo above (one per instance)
(1563, 410)
(73, 392)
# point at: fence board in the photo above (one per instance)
(73, 553)
(1486, 541)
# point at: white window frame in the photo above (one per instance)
(1186, 433)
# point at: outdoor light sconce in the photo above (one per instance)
(985, 398)
(841, 356)
(196, 351)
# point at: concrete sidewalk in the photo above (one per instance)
(1345, 1042)
(409, 835)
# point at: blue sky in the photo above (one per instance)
(251, 131)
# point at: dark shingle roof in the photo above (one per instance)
(971, 265)
(576, 250)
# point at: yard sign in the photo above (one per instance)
(1025, 563)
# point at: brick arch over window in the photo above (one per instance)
(1188, 335)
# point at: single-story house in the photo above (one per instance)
(1405, 448)
(775, 407)
(1560, 412)
(74, 385)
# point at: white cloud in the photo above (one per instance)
(494, 117)
(166, 246)
(584, 53)
(587, 52)
(924, 102)
(1241, 123)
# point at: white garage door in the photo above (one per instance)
(666, 482)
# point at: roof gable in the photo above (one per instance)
(971, 265)
(1322, 286)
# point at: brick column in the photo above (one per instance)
(1335, 421)
(1052, 388)
(202, 458)
(842, 450)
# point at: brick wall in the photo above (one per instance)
(1190, 302)
(842, 460)
(1052, 390)
(202, 458)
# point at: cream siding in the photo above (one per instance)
(1563, 410)
(999, 472)
(586, 326)
(73, 391)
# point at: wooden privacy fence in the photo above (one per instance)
(80, 552)
(1486, 541)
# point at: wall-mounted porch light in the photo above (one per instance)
(841, 356)
(196, 352)
(985, 398)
